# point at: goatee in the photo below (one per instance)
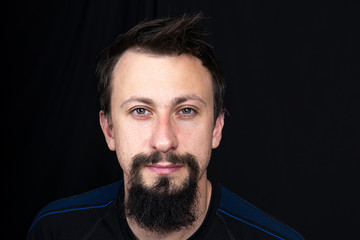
(162, 207)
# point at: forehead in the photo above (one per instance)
(160, 77)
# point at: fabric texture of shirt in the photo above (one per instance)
(99, 214)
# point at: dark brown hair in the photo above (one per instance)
(165, 36)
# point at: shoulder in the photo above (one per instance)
(94, 199)
(234, 208)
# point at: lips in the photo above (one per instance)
(164, 168)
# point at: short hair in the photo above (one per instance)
(164, 36)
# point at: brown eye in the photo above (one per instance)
(140, 111)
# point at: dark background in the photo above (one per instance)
(290, 145)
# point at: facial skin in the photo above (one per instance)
(164, 104)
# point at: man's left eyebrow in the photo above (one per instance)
(185, 98)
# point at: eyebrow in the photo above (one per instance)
(176, 101)
(144, 100)
(185, 98)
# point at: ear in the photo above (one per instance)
(217, 132)
(107, 128)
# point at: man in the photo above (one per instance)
(161, 95)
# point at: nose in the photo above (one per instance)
(164, 137)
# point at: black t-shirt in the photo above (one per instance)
(99, 214)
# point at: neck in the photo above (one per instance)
(203, 202)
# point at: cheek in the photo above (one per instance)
(197, 141)
(129, 140)
(132, 135)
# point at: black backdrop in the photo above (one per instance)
(290, 145)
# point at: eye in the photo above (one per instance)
(140, 111)
(187, 112)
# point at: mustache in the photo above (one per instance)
(142, 159)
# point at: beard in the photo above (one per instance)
(163, 207)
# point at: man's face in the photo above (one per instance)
(161, 104)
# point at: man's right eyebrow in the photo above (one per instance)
(143, 100)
